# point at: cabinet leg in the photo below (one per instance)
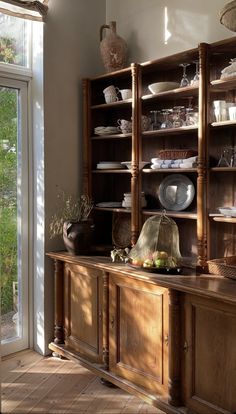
(107, 383)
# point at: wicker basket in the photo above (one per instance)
(228, 16)
(225, 267)
(176, 154)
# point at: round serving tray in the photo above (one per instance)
(176, 192)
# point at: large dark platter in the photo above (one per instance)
(160, 270)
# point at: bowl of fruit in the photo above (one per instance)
(159, 262)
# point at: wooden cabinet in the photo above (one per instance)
(83, 310)
(168, 339)
(139, 331)
(210, 356)
(204, 233)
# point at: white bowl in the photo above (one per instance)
(141, 164)
(228, 211)
(162, 86)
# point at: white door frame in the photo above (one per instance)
(21, 342)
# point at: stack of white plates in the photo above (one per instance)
(110, 204)
(109, 165)
(102, 130)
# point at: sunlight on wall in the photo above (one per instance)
(167, 34)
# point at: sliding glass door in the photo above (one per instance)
(14, 215)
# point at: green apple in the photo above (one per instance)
(148, 263)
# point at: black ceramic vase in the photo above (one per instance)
(78, 236)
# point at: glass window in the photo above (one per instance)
(14, 40)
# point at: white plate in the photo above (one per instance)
(109, 166)
(176, 192)
(111, 204)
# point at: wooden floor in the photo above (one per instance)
(33, 384)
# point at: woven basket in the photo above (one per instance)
(228, 16)
(176, 154)
(225, 267)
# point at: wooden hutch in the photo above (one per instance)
(169, 339)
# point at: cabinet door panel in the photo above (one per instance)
(211, 358)
(138, 327)
(83, 310)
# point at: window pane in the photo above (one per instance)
(14, 36)
(9, 246)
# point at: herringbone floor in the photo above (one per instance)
(34, 384)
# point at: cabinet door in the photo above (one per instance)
(83, 310)
(138, 341)
(210, 360)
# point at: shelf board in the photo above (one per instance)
(175, 214)
(168, 170)
(112, 136)
(223, 124)
(114, 209)
(222, 219)
(113, 171)
(181, 92)
(223, 84)
(170, 131)
(117, 104)
(223, 169)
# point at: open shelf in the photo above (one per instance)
(222, 219)
(113, 136)
(223, 84)
(223, 169)
(170, 131)
(171, 94)
(112, 171)
(116, 104)
(168, 170)
(174, 214)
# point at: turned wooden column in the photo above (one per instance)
(136, 134)
(202, 212)
(59, 305)
(86, 137)
(106, 320)
(174, 382)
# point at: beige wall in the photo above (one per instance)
(141, 24)
(71, 52)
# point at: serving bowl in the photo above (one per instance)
(162, 87)
(228, 211)
(141, 164)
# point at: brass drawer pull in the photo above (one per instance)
(112, 322)
(185, 347)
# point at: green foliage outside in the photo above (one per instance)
(8, 202)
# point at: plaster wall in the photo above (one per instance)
(156, 28)
(71, 52)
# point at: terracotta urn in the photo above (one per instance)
(113, 48)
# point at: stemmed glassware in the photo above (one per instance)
(166, 122)
(155, 121)
(195, 80)
(184, 81)
(177, 120)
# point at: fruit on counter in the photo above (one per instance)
(148, 263)
(161, 262)
(159, 255)
(137, 262)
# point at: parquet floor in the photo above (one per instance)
(34, 384)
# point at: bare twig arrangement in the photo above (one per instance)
(71, 209)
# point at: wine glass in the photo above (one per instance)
(184, 81)
(166, 122)
(155, 122)
(195, 80)
(177, 120)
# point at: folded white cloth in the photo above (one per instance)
(190, 159)
(188, 165)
